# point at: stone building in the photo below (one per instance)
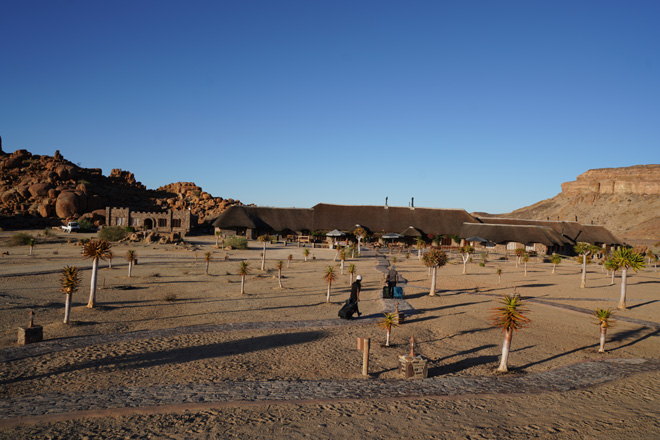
(166, 221)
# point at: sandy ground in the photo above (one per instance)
(452, 331)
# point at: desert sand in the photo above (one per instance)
(170, 290)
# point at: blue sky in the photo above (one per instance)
(481, 105)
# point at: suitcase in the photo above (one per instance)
(348, 309)
(398, 292)
(387, 292)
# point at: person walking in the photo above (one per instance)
(355, 293)
(392, 277)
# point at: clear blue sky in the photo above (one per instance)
(481, 105)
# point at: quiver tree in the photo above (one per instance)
(207, 259)
(329, 277)
(555, 260)
(31, 244)
(359, 233)
(342, 259)
(351, 271)
(509, 317)
(218, 234)
(626, 259)
(603, 316)
(611, 265)
(433, 259)
(390, 320)
(288, 260)
(130, 257)
(264, 239)
(525, 259)
(305, 254)
(519, 253)
(585, 250)
(279, 266)
(466, 251)
(243, 271)
(499, 274)
(70, 280)
(419, 244)
(96, 250)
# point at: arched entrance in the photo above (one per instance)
(148, 223)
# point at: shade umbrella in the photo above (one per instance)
(392, 235)
(477, 239)
(335, 233)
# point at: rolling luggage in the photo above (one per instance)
(398, 292)
(387, 292)
(348, 309)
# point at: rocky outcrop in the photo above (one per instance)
(624, 200)
(639, 180)
(38, 191)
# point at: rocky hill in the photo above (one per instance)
(37, 191)
(624, 200)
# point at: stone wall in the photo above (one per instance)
(167, 221)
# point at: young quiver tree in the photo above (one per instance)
(466, 251)
(130, 257)
(305, 254)
(279, 266)
(243, 271)
(264, 239)
(96, 250)
(359, 233)
(584, 250)
(351, 271)
(288, 260)
(603, 316)
(611, 266)
(555, 260)
(342, 260)
(525, 259)
(433, 259)
(509, 317)
(70, 280)
(31, 244)
(627, 258)
(390, 320)
(329, 277)
(207, 259)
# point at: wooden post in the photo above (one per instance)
(365, 357)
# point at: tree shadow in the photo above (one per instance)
(137, 361)
(452, 306)
(622, 336)
(642, 304)
(557, 356)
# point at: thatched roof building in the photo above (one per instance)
(523, 234)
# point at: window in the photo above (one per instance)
(176, 222)
(162, 222)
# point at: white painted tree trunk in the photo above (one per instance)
(92, 288)
(130, 268)
(435, 271)
(67, 308)
(279, 278)
(603, 331)
(263, 258)
(31, 247)
(387, 340)
(583, 284)
(506, 347)
(206, 271)
(624, 281)
(554, 266)
(242, 284)
(465, 258)
(327, 298)
(612, 282)
(341, 267)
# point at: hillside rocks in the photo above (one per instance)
(38, 191)
(624, 200)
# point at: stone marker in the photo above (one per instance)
(411, 366)
(30, 334)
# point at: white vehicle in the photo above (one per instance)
(70, 227)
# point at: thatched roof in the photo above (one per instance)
(573, 231)
(412, 232)
(525, 234)
(325, 217)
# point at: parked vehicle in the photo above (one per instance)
(70, 227)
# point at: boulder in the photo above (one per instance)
(67, 204)
(39, 189)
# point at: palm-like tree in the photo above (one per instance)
(279, 266)
(603, 316)
(626, 259)
(509, 317)
(329, 277)
(288, 260)
(207, 258)
(130, 257)
(351, 270)
(419, 244)
(555, 260)
(611, 265)
(218, 234)
(96, 250)
(305, 254)
(390, 320)
(433, 259)
(466, 251)
(359, 233)
(585, 249)
(525, 259)
(264, 239)
(243, 271)
(31, 244)
(519, 253)
(70, 280)
(499, 274)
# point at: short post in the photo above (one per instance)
(363, 345)
(30, 334)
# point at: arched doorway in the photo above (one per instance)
(148, 223)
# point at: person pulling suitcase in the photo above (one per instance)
(355, 293)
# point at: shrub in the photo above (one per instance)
(130, 229)
(48, 232)
(236, 242)
(112, 233)
(170, 297)
(20, 239)
(85, 224)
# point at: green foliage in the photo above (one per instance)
(243, 268)
(48, 232)
(603, 316)
(97, 249)
(170, 297)
(435, 258)
(627, 258)
(390, 320)
(555, 259)
(112, 233)
(20, 239)
(83, 182)
(510, 316)
(236, 242)
(130, 229)
(85, 224)
(70, 279)
(330, 275)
